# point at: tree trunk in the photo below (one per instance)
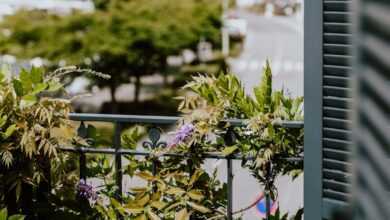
(137, 88)
(114, 102)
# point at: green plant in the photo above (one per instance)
(34, 110)
(4, 215)
(181, 188)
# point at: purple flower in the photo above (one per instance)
(86, 191)
(182, 134)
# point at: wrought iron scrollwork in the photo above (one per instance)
(154, 134)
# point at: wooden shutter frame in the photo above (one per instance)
(313, 76)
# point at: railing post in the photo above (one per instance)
(118, 158)
(229, 189)
(268, 192)
(83, 165)
(83, 133)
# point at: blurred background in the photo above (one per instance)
(152, 47)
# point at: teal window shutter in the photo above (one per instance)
(328, 65)
(372, 121)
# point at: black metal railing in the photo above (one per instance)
(154, 135)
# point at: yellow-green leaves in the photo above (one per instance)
(229, 150)
(198, 207)
(18, 87)
(263, 92)
(182, 215)
(4, 215)
(195, 195)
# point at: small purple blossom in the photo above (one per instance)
(86, 191)
(182, 134)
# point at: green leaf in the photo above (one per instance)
(28, 100)
(145, 175)
(172, 206)
(195, 176)
(263, 93)
(195, 195)
(229, 150)
(10, 130)
(182, 215)
(18, 190)
(39, 88)
(18, 87)
(175, 191)
(141, 217)
(152, 215)
(133, 210)
(3, 214)
(199, 207)
(36, 75)
(158, 204)
(143, 201)
(16, 217)
(25, 79)
(54, 86)
(118, 206)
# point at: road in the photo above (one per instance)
(279, 39)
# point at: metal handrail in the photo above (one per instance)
(118, 151)
(152, 119)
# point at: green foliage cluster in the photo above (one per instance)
(4, 215)
(181, 188)
(34, 112)
(177, 188)
(125, 38)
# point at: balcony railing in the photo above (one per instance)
(154, 135)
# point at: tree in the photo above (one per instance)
(122, 38)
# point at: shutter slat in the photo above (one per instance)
(378, 14)
(337, 38)
(336, 154)
(375, 187)
(336, 186)
(336, 91)
(334, 59)
(377, 119)
(336, 112)
(339, 49)
(337, 81)
(335, 70)
(337, 144)
(336, 133)
(336, 175)
(378, 49)
(335, 27)
(336, 102)
(336, 165)
(335, 16)
(336, 194)
(336, 6)
(336, 123)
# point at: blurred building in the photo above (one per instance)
(8, 7)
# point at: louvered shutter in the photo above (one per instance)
(372, 134)
(337, 62)
(328, 99)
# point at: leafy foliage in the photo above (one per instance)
(175, 187)
(34, 122)
(4, 215)
(181, 188)
(123, 38)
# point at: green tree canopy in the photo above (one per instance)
(122, 38)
